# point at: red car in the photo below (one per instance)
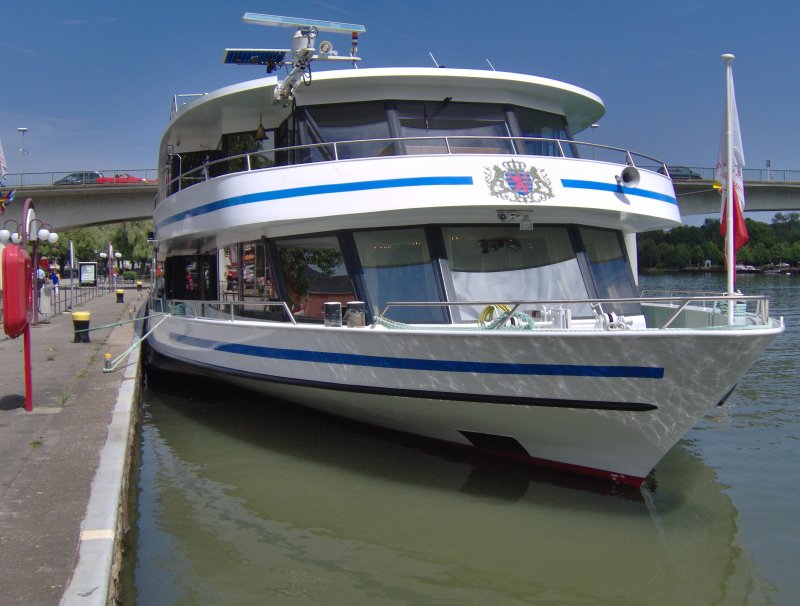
(122, 178)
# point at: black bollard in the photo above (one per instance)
(80, 322)
(120, 295)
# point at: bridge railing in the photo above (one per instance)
(51, 178)
(760, 175)
(598, 152)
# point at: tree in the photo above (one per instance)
(780, 253)
(648, 254)
(675, 248)
(130, 239)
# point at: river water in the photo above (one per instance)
(240, 503)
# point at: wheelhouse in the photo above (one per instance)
(425, 264)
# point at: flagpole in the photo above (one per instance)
(730, 253)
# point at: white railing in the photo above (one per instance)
(752, 310)
(223, 309)
(410, 146)
(711, 309)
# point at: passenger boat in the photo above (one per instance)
(431, 250)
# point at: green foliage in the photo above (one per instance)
(686, 246)
(130, 239)
(129, 276)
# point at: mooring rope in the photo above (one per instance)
(111, 365)
(120, 323)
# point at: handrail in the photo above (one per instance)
(168, 305)
(680, 303)
(178, 103)
(762, 302)
(202, 172)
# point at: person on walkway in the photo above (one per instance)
(39, 283)
(54, 281)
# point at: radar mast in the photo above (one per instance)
(301, 53)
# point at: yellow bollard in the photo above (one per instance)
(80, 322)
(120, 295)
(107, 361)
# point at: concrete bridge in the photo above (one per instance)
(72, 206)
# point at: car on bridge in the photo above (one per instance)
(683, 172)
(122, 178)
(85, 178)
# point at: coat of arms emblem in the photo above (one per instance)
(514, 182)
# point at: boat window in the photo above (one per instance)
(256, 282)
(543, 125)
(228, 270)
(237, 145)
(192, 277)
(610, 268)
(346, 122)
(503, 263)
(195, 167)
(313, 274)
(397, 266)
(479, 123)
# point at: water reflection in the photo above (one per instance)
(246, 503)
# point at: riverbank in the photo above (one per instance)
(62, 465)
(719, 270)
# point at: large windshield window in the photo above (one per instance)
(397, 266)
(610, 269)
(503, 263)
(543, 125)
(347, 122)
(313, 273)
(479, 122)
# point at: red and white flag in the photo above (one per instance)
(740, 237)
(3, 165)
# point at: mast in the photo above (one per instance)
(730, 254)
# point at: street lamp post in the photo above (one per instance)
(104, 256)
(37, 231)
(22, 152)
(118, 257)
(594, 131)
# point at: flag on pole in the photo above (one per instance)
(3, 165)
(740, 236)
(5, 200)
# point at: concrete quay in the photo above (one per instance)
(64, 466)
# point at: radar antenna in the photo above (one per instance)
(302, 51)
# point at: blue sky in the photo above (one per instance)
(93, 81)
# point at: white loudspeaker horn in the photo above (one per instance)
(629, 177)
(325, 47)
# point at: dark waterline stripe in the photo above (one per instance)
(313, 190)
(423, 394)
(321, 357)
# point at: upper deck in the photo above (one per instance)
(203, 119)
(353, 128)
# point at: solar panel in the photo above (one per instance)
(322, 26)
(254, 56)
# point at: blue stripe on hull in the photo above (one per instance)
(322, 357)
(612, 187)
(313, 190)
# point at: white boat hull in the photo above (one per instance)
(608, 403)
